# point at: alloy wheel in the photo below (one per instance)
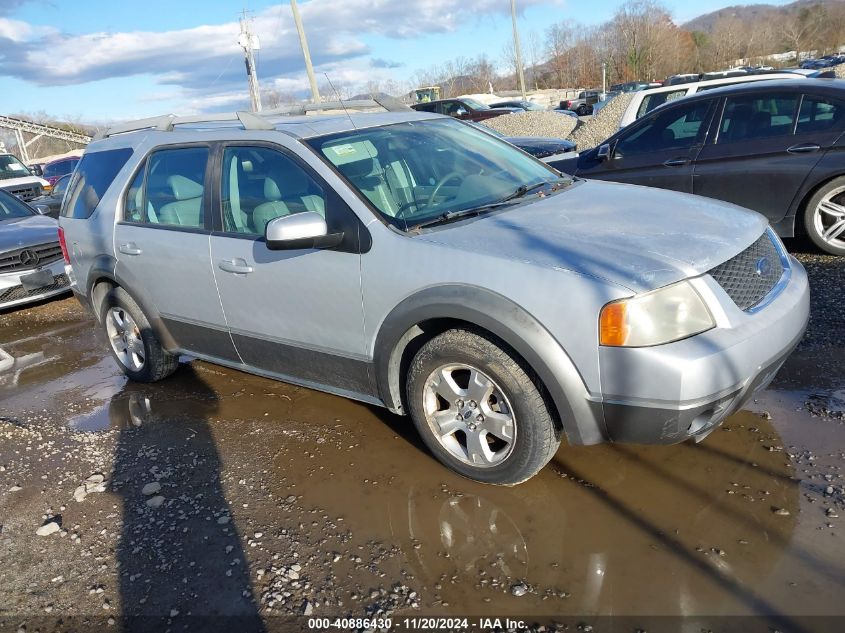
(829, 219)
(125, 338)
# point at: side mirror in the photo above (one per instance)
(604, 152)
(300, 230)
(461, 112)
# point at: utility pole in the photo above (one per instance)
(517, 50)
(315, 94)
(604, 78)
(250, 44)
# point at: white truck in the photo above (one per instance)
(16, 178)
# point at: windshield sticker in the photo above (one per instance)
(343, 150)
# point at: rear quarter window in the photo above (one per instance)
(92, 178)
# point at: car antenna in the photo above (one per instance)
(342, 104)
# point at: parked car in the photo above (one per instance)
(57, 168)
(411, 261)
(630, 86)
(772, 146)
(645, 101)
(51, 202)
(31, 263)
(583, 104)
(546, 148)
(518, 104)
(16, 178)
(464, 108)
(566, 112)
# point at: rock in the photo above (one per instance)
(151, 488)
(48, 528)
(307, 608)
(602, 125)
(519, 589)
(783, 512)
(15, 488)
(766, 415)
(80, 493)
(223, 520)
(832, 513)
(95, 479)
(155, 502)
(174, 613)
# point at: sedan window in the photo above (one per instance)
(650, 102)
(675, 128)
(757, 116)
(11, 207)
(819, 114)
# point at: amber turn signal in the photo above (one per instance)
(613, 328)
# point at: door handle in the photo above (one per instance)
(677, 162)
(804, 148)
(237, 266)
(129, 248)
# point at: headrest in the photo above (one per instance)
(271, 189)
(184, 188)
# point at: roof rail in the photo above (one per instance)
(251, 120)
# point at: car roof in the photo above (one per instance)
(826, 86)
(299, 127)
(725, 80)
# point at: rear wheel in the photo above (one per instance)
(824, 217)
(132, 341)
(478, 410)
(582, 110)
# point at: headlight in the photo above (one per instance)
(654, 318)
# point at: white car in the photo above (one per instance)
(16, 178)
(645, 101)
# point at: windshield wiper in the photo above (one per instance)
(450, 216)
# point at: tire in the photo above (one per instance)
(139, 354)
(504, 390)
(817, 221)
(582, 111)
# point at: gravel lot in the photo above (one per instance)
(216, 493)
(534, 124)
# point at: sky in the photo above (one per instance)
(107, 60)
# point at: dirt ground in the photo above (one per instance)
(216, 500)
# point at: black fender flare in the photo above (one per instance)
(582, 418)
(106, 267)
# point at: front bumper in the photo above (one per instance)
(12, 293)
(669, 393)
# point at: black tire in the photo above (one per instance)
(536, 438)
(583, 110)
(810, 213)
(158, 362)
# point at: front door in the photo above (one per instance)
(761, 155)
(657, 151)
(161, 245)
(294, 313)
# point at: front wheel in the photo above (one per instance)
(132, 341)
(478, 410)
(824, 217)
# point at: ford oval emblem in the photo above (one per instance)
(763, 267)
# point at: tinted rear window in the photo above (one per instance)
(92, 178)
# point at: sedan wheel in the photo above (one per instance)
(829, 218)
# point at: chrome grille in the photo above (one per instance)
(16, 293)
(751, 275)
(25, 193)
(30, 257)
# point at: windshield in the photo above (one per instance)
(11, 207)
(11, 167)
(416, 171)
(476, 105)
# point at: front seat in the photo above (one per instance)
(186, 208)
(273, 208)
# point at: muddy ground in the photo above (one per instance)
(216, 493)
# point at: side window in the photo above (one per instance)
(261, 184)
(757, 116)
(677, 128)
(93, 176)
(173, 187)
(451, 107)
(426, 107)
(650, 102)
(819, 114)
(60, 186)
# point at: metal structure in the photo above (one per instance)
(250, 44)
(20, 126)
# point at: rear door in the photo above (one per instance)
(657, 151)
(162, 248)
(762, 150)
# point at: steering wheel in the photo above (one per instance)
(440, 183)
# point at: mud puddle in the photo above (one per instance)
(283, 500)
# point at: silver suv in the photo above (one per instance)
(410, 261)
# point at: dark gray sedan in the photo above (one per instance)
(31, 263)
(51, 202)
(776, 147)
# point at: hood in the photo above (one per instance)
(29, 179)
(637, 237)
(29, 231)
(541, 145)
